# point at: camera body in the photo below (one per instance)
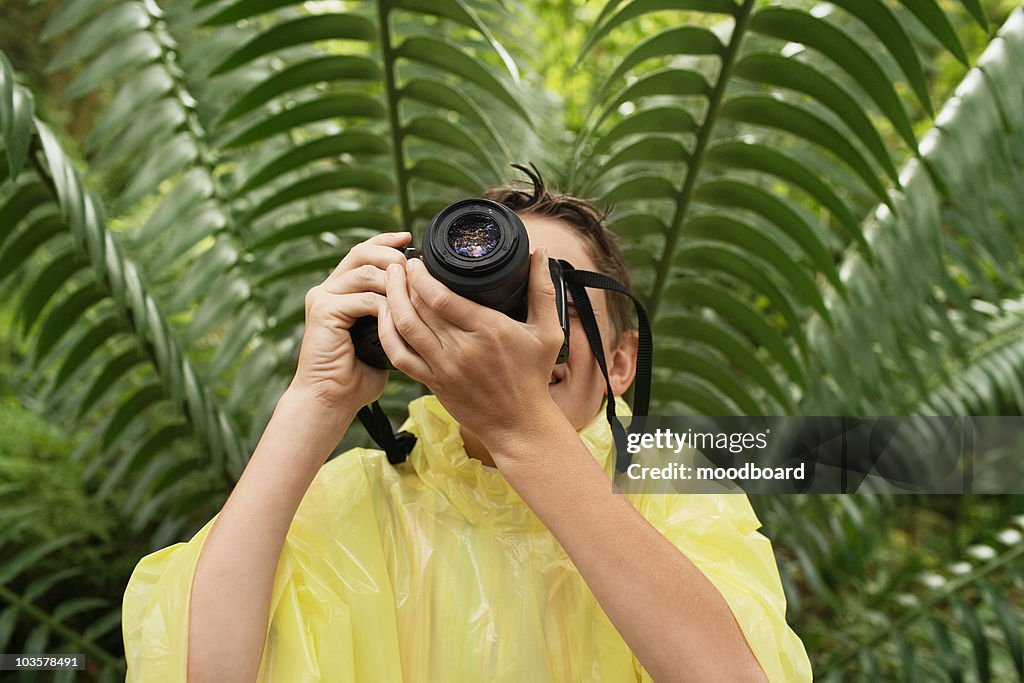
(479, 249)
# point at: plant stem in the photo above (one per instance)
(391, 95)
(694, 163)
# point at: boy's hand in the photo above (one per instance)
(328, 368)
(488, 370)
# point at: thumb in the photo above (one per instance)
(541, 291)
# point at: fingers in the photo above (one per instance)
(395, 240)
(375, 254)
(398, 352)
(435, 301)
(407, 321)
(541, 292)
(325, 306)
(364, 278)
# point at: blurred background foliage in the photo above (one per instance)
(821, 202)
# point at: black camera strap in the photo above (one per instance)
(577, 281)
(398, 446)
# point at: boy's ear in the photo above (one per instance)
(622, 362)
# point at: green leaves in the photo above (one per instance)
(947, 373)
(16, 108)
(770, 133)
(448, 57)
(963, 606)
(801, 28)
(316, 70)
(776, 70)
(326, 147)
(131, 52)
(799, 250)
(299, 32)
(610, 19)
(797, 121)
(75, 280)
(685, 40)
(119, 21)
(346, 105)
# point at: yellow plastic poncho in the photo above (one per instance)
(436, 570)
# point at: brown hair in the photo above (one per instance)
(583, 217)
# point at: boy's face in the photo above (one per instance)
(577, 386)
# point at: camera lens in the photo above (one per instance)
(479, 249)
(473, 235)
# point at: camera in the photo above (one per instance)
(479, 249)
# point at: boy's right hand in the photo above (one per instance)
(234, 576)
(328, 369)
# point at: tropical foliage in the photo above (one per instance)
(816, 224)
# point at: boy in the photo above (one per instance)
(498, 551)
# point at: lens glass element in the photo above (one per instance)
(474, 235)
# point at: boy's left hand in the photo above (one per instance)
(488, 370)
